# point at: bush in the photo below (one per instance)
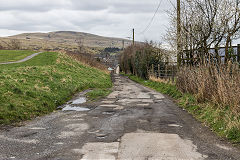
(140, 59)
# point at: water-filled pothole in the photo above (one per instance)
(101, 136)
(108, 112)
(71, 108)
(148, 108)
(80, 100)
(28, 134)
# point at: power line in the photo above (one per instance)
(147, 27)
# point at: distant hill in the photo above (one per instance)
(71, 38)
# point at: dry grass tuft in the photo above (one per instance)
(87, 59)
(160, 80)
(219, 84)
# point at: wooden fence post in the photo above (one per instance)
(173, 74)
(159, 74)
(238, 53)
(152, 70)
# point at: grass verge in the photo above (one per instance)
(14, 55)
(221, 120)
(97, 94)
(38, 86)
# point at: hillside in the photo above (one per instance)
(69, 37)
(63, 40)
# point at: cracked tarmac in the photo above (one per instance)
(133, 122)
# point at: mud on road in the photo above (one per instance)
(133, 122)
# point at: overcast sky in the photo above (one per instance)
(114, 18)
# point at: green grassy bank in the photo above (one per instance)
(36, 87)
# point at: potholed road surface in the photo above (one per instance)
(133, 122)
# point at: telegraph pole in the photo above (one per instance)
(179, 50)
(133, 37)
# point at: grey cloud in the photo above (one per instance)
(47, 5)
(115, 6)
(33, 5)
(103, 17)
(133, 7)
(93, 5)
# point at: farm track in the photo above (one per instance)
(133, 122)
(23, 60)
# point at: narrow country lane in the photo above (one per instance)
(133, 122)
(24, 59)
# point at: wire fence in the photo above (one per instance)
(214, 58)
(213, 55)
(166, 71)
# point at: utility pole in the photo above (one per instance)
(133, 37)
(123, 44)
(179, 50)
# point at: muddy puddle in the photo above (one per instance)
(73, 105)
(73, 108)
(80, 100)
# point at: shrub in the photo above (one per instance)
(140, 59)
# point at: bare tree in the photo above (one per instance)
(1, 46)
(80, 46)
(5, 45)
(15, 44)
(206, 23)
(232, 25)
